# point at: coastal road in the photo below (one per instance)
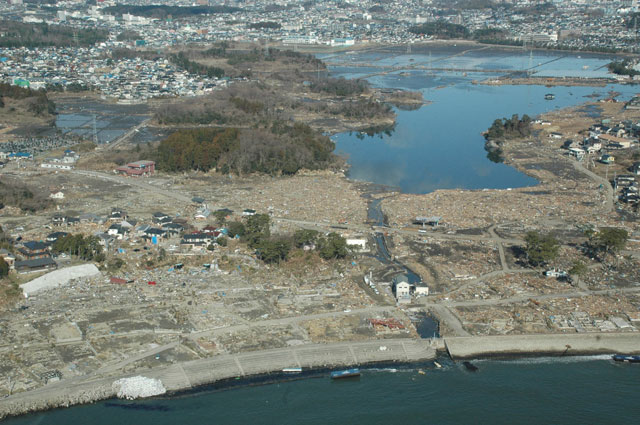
(536, 297)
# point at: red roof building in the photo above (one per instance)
(137, 169)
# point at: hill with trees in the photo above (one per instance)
(18, 34)
(279, 149)
(441, 29)
(165, 11)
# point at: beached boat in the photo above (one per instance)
(348, 373)
(626, 358)
(292, 370)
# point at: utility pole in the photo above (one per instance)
(95, 132)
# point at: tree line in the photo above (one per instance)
(182, 60)
(256, 233)
(86, 248)
(165, 11)
(340, 86)
(18, 34)
(441, 29)
(509, 128)
(279, 149)
(542, 249)
(36, 101)
(624, 67)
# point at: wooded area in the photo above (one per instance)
(18, 34)
(280, 149)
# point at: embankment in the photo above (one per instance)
(539, 345)
(184, 376)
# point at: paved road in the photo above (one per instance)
(449, 318)
(525, 297)
(610, 194)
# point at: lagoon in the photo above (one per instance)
(440, 145)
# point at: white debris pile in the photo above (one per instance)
(138, 387)
(58, 278)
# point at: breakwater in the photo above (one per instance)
(187, 375)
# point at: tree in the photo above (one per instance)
(221, 216)
(88, 248)
(272, 251)
(221, 240)
(578, 269)
(257, 229)
(333, 246)
(4, 268)
(608, 240)
(540, 249)
(235, 228)
(304, 237)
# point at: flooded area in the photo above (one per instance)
(81, 116)
(440, 145)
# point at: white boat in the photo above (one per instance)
(292, 370)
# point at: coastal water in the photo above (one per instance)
(583, 390)
(440, 145)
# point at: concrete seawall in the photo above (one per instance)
(184, 376)
(532, 345)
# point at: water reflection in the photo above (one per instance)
(440, 145)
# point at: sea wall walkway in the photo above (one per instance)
(184, 376)
(536, 345)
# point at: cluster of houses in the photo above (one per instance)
(64, 162)
(622, 135)
(629, 186)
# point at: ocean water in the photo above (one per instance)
(572, 390)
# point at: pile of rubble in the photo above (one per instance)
(138, 387)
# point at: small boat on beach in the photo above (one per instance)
(348, 373)
(626, 358)
(292, 370)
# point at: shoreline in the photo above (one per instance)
(323, 49)
(184, 379)
(186, 376)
